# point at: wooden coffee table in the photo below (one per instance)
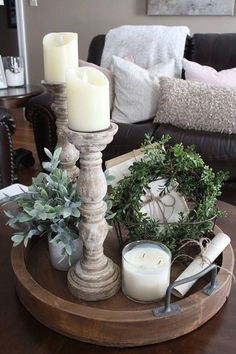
(22, 334)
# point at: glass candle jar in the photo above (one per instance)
(14, 70)
(145, 270)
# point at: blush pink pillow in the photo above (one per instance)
(208, 75)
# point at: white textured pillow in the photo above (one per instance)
(208, 75)
(193, 105)
(137, 90)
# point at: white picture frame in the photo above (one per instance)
(3, 81)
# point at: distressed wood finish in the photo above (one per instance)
(114, 322)
(69, 154)
(95, 277)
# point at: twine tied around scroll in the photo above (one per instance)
(202, 254)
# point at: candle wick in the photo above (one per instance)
(143, 255)
(61, 40)
(85, 77)
(159, 261)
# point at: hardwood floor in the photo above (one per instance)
(24, 138)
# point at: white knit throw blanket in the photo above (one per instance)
(148, 45)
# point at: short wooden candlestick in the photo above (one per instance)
(95, 277)
(69, 154)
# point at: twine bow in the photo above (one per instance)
(161, 205)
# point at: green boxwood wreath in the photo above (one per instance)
(195, 181)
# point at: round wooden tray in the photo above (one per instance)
(117, 321)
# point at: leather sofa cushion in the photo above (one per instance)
(38, 112)
(214, 49)
(96, 48)
(128, 138)
(218, 150)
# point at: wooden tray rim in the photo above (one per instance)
(41, 294)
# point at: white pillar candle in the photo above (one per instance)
(87, 99)
(146, 270)
(60, 52)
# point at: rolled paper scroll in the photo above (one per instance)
(202, 261)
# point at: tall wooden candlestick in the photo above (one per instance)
(95, 277)
(69, 154)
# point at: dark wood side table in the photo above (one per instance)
(20, 333)
(17, 97)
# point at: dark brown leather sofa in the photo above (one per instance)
(218, 150)
(7, 128)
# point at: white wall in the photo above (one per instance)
(91, 17)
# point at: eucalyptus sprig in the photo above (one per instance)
(180, 166)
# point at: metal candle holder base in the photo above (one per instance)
(95, 277)
(69, 154)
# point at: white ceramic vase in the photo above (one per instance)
(55, 252)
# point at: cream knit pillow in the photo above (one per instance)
(193, 105)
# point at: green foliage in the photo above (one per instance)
(178, 166)
(50, 206)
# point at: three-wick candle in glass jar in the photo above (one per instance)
(146, 269)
